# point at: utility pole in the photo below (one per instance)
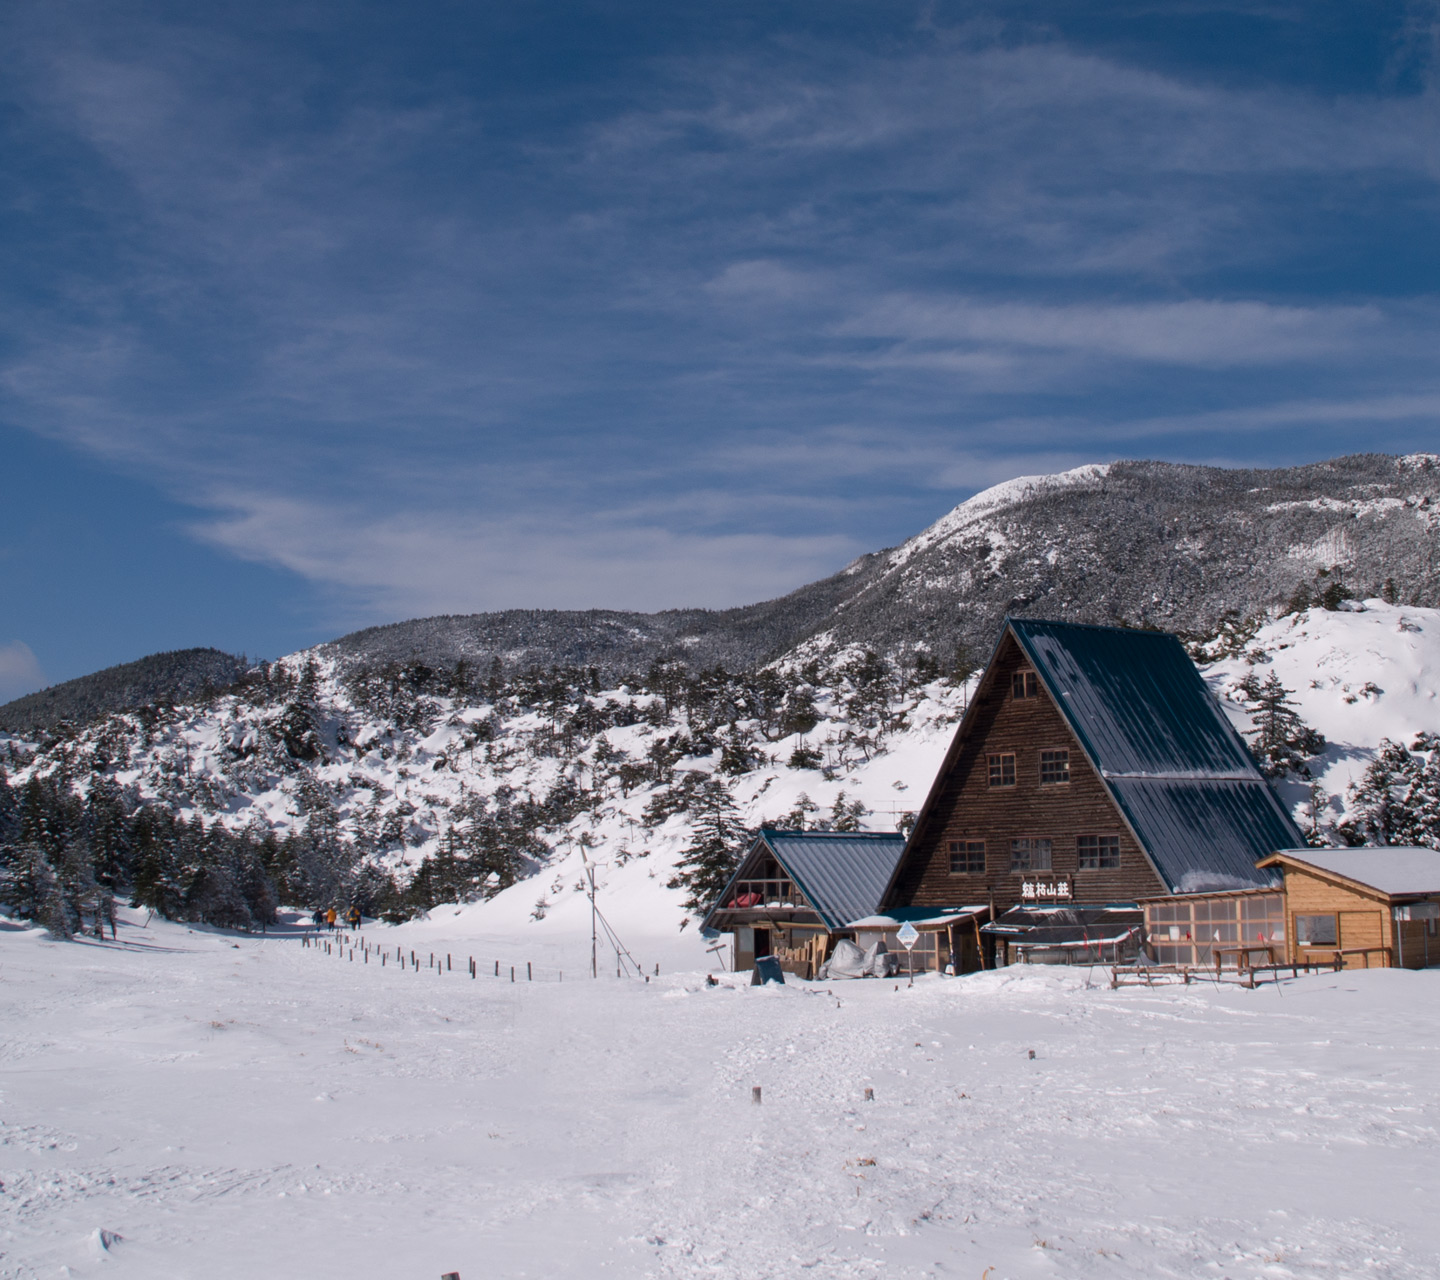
(590, 873)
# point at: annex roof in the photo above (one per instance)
(841, 873)
(1180, 773)
(1397, 871)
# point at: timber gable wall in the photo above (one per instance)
(967, 808)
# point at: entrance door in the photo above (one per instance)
(762, 943)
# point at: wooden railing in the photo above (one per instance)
(757, 895)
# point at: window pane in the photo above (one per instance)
(1024, 684)
(1054, 766)
(1103, 852)
(1002, 770)
(1316, 931)
(967, 857)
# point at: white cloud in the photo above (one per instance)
(20, 671)
(1212, 334)
(411, 564)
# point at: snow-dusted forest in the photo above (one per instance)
(401, 787)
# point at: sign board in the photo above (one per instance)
(1045, 891)
(908, 935)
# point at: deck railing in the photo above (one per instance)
(758, 895)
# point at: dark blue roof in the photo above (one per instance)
(842, 874)
(1176, 766)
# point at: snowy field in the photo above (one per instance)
(190, 1104)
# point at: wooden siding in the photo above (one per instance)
(968, 808)
(1363, 918)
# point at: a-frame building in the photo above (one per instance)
(1092, 765)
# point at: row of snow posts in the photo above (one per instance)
(345, 946)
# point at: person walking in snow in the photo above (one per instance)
(319, 918)
(330, 919)
(354, 917)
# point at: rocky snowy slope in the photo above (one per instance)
(1144, 543)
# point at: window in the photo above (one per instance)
(1002, 770)
(1054, 767)
(967, 857)
(1030, 854)
(1316, 931)
(1098, 853)
(1024, 684)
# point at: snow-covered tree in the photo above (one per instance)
(1280, 741)
(715, 848)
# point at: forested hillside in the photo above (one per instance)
(362, 772)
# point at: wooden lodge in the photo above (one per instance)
(1094, 801)
(1092, 770)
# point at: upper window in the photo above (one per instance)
(967, 857)
(1316, 931)
(1101, 853)
(1054, 767)
(1025, 684)
(1031, 854)
(1002, 770)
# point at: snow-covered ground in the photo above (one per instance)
(187, 1104)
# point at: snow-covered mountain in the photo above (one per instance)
(1138, 543)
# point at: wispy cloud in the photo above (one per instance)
(698, 330)
(20, 671)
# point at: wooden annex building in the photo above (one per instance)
(1368, 907)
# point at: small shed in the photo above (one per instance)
(949, 937)
(1367, 906)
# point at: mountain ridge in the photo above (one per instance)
(1139, 543)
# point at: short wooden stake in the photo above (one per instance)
(451, 1275)
(512, 973)
(755, 1095)
(497, 968)
(869, 1095)
(529, 977)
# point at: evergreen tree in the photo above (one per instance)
(157, 884)
(1281, 741)
(710, 858)
(1377, 800)
(846, 817)
(30, 887)
(1418, 822)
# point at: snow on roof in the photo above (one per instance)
(1394, 870)
(922, 917)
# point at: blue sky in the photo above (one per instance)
(319, 315)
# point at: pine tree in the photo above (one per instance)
(1418, 821)
(709, 860)
(1281, 741)
(846, 817)
(1377, 800)
(30, 887)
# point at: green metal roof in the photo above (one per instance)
(1175, 765)
(841, 873)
